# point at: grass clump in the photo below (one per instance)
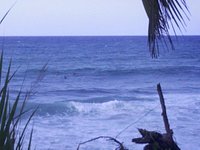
(11, 138)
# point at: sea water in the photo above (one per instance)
(97, 86)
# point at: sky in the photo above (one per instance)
(82, 17)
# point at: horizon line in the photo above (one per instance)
(87, 35)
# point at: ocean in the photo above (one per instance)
(98, 86)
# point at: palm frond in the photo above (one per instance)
(164, 15)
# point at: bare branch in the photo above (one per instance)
(121, 146)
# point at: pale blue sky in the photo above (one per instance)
(83, 17)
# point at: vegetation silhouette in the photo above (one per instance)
(164, 15)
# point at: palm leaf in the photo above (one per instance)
(164, 15)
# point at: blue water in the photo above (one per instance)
(99, 85)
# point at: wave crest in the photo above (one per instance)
(80, 108)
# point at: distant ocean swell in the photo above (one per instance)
(165, 70)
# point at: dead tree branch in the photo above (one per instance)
(155, 140)
(120, 145)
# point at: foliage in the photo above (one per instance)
(162, 15)
(11, 114)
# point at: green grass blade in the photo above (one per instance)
(25, 127)
(4, 89)
(4, 115)
(9, 120)
(1, 66)
(30, 140)
(13, 111)
(2, 19)
(3, 133)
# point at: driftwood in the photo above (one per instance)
(120, 145)
(155, 140)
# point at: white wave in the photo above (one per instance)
(110, 106)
